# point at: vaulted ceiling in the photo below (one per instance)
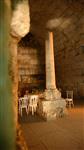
(56, 15)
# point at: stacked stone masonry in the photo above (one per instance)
(31, 68)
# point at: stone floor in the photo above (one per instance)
(61, 134)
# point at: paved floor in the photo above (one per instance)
(61, 134)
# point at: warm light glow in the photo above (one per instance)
(58, 23)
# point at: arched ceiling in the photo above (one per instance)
(56, 15)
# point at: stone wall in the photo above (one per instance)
(31, 67)
(69, 51)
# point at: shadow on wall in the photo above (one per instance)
(30, 89)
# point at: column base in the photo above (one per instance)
(50, 110)
(52, 94)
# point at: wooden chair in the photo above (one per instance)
(69, 99)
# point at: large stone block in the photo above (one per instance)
(51, 109)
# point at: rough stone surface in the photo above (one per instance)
(13, 72)
(31, 68)
(20, 23)
(51, 109)
(52, 94)
(20, 140)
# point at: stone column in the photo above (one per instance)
(50, 67)
(13, 71)
(53, 105)
(20, 25)
(51, 90)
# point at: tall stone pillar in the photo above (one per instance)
(20, 25)
(53, 105)
(13, 71)
(51, 90)
(50, 67)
